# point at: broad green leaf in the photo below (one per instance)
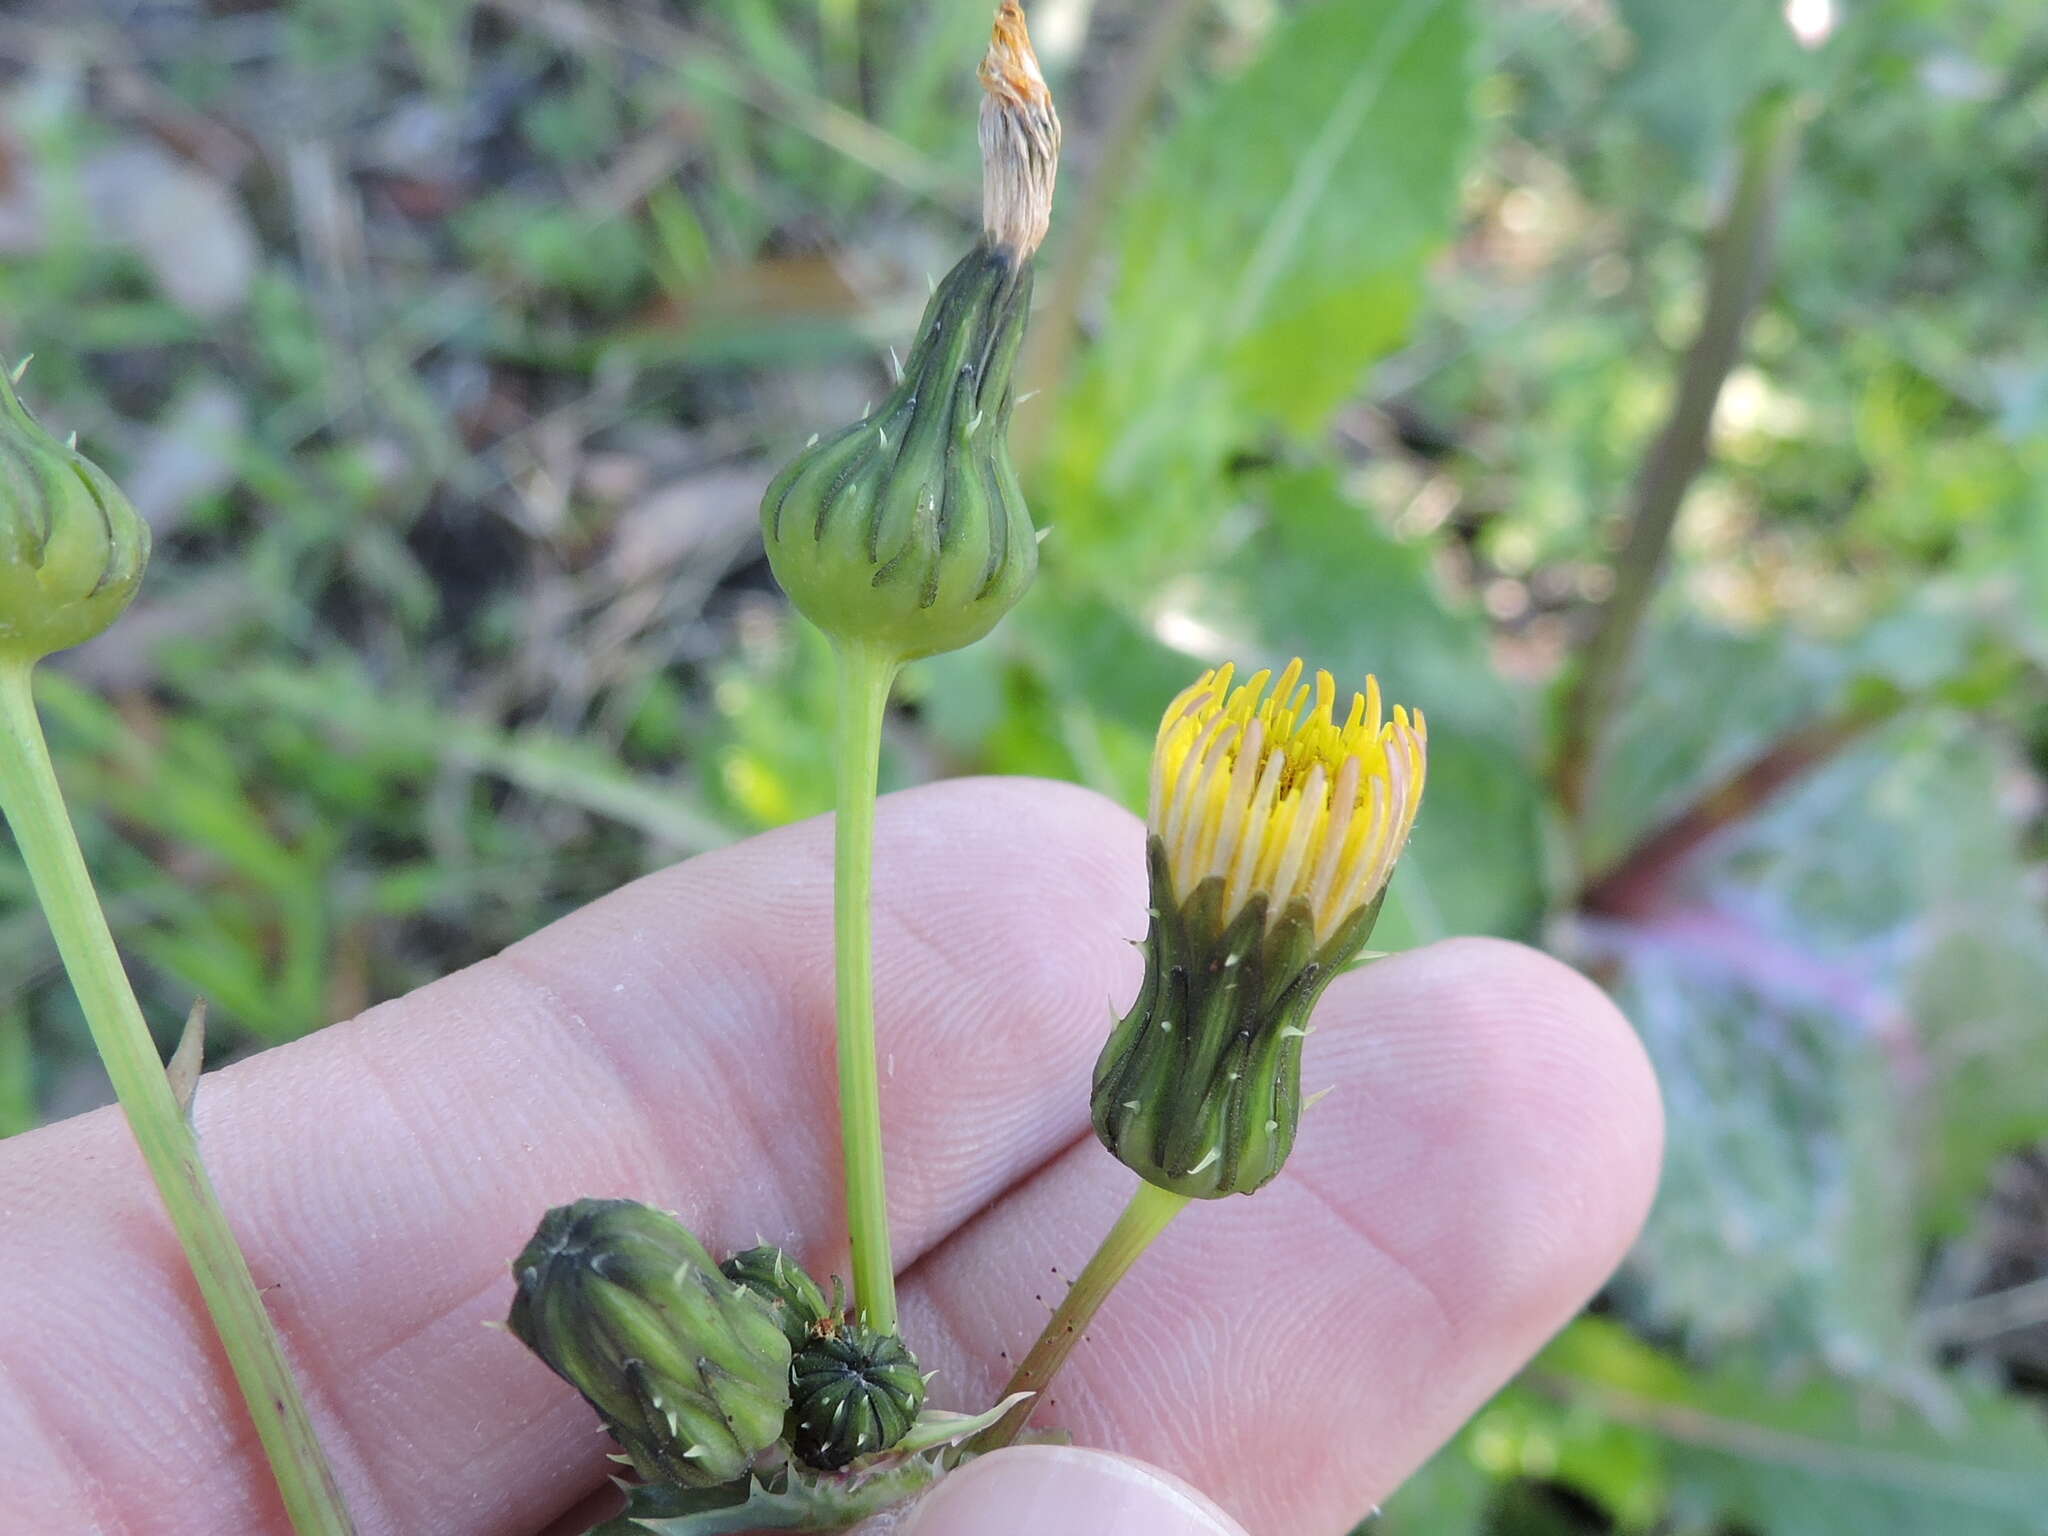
(1701, 703)
(1835, 995)
(1783, 1215)
(1697, 67)
(1274, 251)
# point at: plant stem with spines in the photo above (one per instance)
(1150, 1210)
(34, 807)
(865, 676)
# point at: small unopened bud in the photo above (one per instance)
(907, 532)
(853, 1392)
(689, 1371)
(72, 547)
(792, 1295)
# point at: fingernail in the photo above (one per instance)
(1064, 1490)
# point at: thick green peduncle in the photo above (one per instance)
(34, 807)
(865, 675)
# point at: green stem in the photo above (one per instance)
(864, 679)
(1735, 277)
(34, 807)
(1147, 1215)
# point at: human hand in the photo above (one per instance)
(1488, 1155)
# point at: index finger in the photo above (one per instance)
(672, 1042)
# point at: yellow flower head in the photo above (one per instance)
(1276, 797)
(1275, 823)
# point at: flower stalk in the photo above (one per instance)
(905, 534)
(1150, 1211)
(34, 808)
(865, 676)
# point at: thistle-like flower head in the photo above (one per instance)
(1275, 824)
(1280, 799)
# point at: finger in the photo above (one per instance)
(671, 1043)
(1488, 1154)
(1057, 1490)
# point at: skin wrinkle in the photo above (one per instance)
(362, 1049)
(58, 1436)
(669, 1171)
(432, 1453)
(228, 1443)
(652, 1131)
(736, 993)
(894, 916)
(1411, 1275)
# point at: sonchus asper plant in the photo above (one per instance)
(1273, 827)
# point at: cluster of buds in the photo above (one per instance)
(854, 1390)
(704, 1373)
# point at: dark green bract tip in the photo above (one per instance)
(72, 547)
(799, 1306)
(689, 1371)
(907, 531)
(853, 1392)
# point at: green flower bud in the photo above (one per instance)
(792, 1295)
(907, 531)
(1275, 825)
(72, 548)
(689, 1371)
(853, 1392)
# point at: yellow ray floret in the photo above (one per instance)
(1274, 795)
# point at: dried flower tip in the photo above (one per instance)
(1020, 139)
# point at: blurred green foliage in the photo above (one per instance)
(458, 619)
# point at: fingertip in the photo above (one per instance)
(1504, 1060)
(1065, 1490)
